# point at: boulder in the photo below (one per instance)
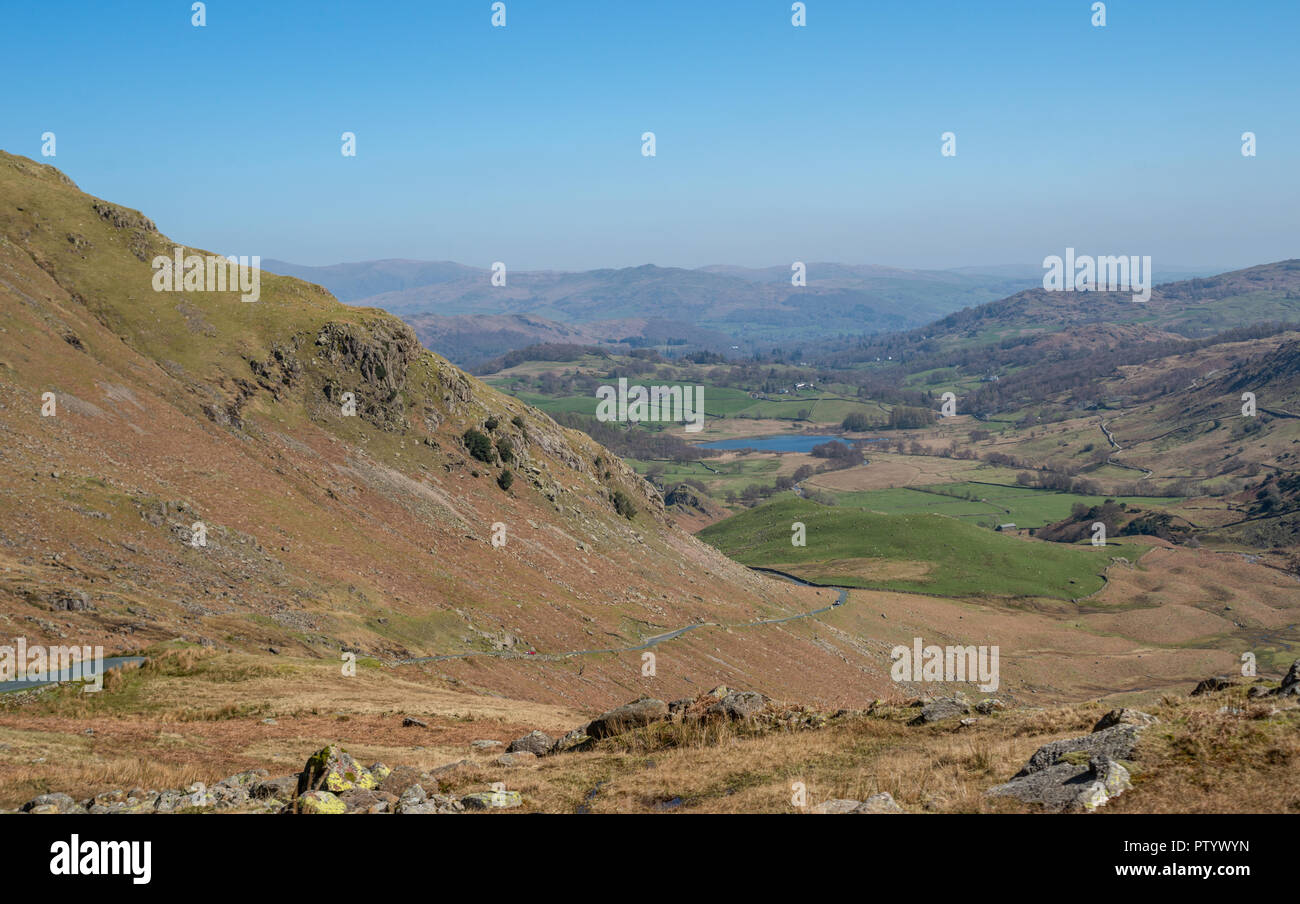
(632, 715)
(837, 805)
(403, 777)
(575, 740)
(435, 803)
(879, 803)
(942, 708)
(1124, 716)
(412, 722)
(52, 803)
(361, 800)
(1211, 685)
(245, 780)
(739, 705)
(281, 788)
(484, 744)
(333, 769)
(990, 705)
(538, 743)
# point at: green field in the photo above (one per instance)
(992, 503)
(918, 552)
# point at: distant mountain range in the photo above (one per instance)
(715, 307)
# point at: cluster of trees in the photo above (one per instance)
(755, 493)
(628, 441)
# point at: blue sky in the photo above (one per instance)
(775, 143)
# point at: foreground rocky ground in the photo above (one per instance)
(1071, 774)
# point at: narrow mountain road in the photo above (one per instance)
(1110, 460)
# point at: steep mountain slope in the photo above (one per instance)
(323, 531)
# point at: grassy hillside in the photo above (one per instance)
(923, 552)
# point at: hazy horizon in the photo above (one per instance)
(774, 143)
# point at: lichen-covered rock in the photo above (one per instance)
(333, 769)
(492, 800)
(320, 802)
(990, 705)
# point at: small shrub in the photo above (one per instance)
(623, 505)
(506, 479)
(479, 445)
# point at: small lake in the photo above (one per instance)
(35, 681)
(793, 442)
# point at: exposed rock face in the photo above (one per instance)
(381, 353)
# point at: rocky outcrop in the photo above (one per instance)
(1077, 773)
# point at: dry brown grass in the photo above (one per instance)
(183, 718)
